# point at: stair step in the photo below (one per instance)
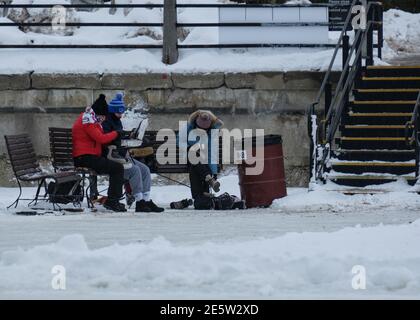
(366, 180)
(384, 143)
(354, 167)
(374, 155)
(382, 106)
(373, 130)
(381, 102)
(386, 94)
(373, 71)
(389, 82)
(376, 118)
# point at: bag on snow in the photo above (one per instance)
(65, 192)
(228, 202)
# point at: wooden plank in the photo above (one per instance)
(20, 147)
(22, 155)
(21, 173)
(25, 161)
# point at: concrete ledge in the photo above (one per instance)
(240, 80)
(15, 81)
(198, 81)
(40, 99)
(296, 80)
(134, 81)
(65, 81)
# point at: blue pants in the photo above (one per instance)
(139, 177)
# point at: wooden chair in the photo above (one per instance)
(61, 148)
(26, 168)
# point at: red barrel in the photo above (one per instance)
(261, 190)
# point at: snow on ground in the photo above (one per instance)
(402, 35)
(305, 246)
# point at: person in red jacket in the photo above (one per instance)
(88, 139)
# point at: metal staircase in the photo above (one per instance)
(367, 133)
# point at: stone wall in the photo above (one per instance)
(273, 101)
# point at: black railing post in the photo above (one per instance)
(346, 47)
(170, 34)
(370, 27)
(380, 25)
(328, 97)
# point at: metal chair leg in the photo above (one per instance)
(38, 190)
(16, 202)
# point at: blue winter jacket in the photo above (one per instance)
(216, 124)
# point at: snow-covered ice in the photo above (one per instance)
(305, 246)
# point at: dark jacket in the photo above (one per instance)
(112, 123)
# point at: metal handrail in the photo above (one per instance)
(413, 124)
(311, 109)
(337, 48)
(347, 78)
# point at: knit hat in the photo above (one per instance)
(203, 121)
(117, 104)
(100, 106)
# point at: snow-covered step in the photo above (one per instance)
(377, 118)
(373, 130)
(407, 94)
(359, 167)
(360, 106)
(394, 143)
(393, 71)
(374, 154)
(368, 179)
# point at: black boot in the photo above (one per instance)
(183, 204)
(114, 206)
(153, 207)
(213, 183)
(142, 206)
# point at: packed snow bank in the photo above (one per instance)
(398, 196)
(401, 33)
(191, 60)
(313, 265)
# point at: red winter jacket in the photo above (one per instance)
(89, 138)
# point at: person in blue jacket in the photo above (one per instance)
(204, 175)
(137, 173)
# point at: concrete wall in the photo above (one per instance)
(273, 101)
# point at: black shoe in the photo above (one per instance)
(142, 206)
(183, 204)
(239, 205)
(153, 207)
(114, 206)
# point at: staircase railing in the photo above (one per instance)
(413, 124)
(322, 132)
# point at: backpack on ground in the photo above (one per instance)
(228, 202)
(68, 191)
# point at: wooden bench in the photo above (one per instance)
(61, 152)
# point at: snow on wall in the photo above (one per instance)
(402, 34)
